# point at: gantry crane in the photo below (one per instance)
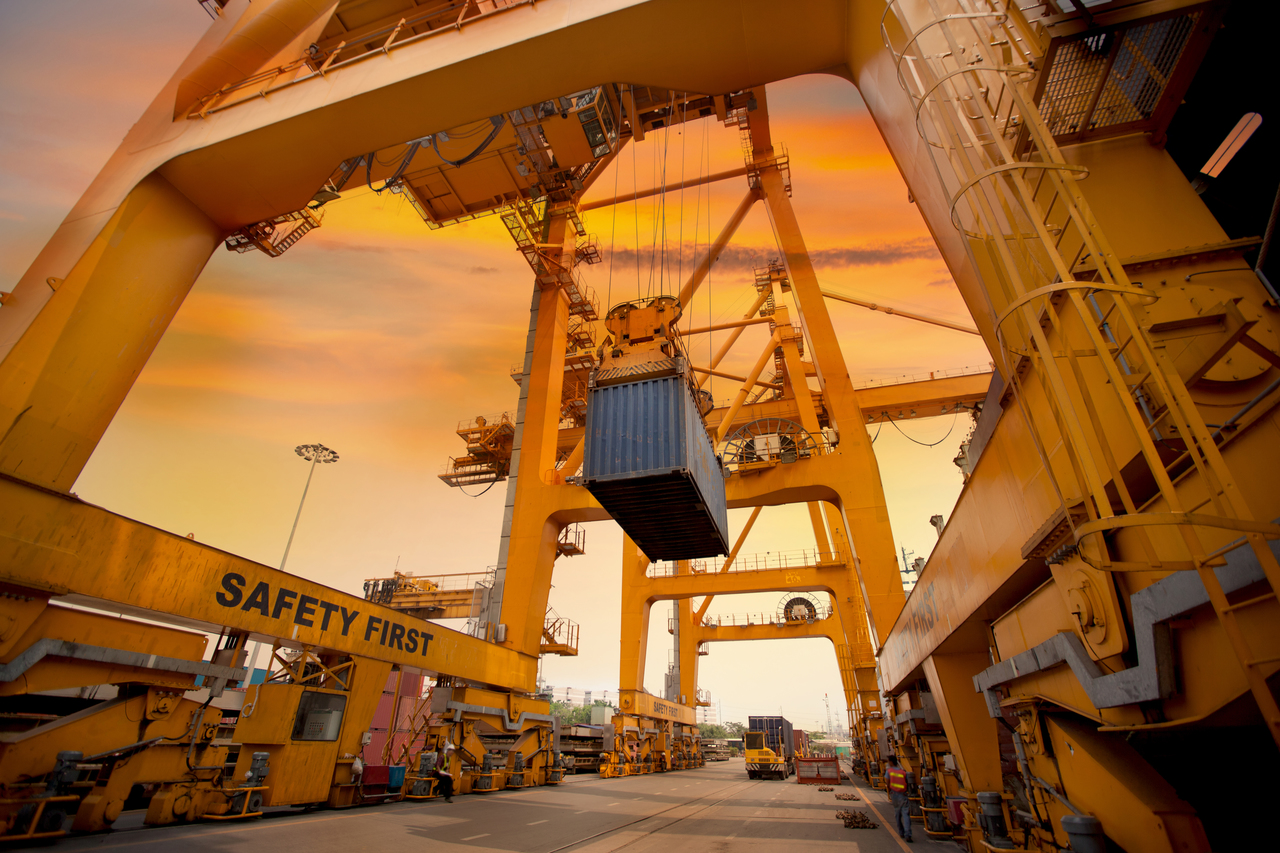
(1104, 592)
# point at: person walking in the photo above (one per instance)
(895, 779)
(444, 779)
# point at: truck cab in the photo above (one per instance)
(764, 760)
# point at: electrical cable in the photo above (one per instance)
(879, 427)
(478, 494)
(404, 164)
(381, 162)
(498, 121)
(921, 443)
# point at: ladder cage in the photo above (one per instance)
(1084, 368)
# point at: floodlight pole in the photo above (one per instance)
(314, 453)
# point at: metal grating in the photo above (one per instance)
(1115, 78)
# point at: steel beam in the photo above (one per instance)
(54, 545)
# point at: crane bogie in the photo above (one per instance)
(304, 727)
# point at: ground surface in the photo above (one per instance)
(715, 809)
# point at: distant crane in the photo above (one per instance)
(827, 701)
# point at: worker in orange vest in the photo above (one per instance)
(895, 779)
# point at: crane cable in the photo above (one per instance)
(498, 121)
(635, 201)
(684, 107)
(613, 238)
(395, 176)
(697, 213)
(955, 418)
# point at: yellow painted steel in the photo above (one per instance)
(63, 380)
(1098, 488)
(141, 570)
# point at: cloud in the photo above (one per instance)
(748, 258)
(482, 270)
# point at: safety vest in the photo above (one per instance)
(897, 779)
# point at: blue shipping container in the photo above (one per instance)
(778, 733)
(650, 463)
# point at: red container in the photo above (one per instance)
(818, 771)
(383, 727)
(376, 774)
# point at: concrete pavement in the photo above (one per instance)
(715, 808)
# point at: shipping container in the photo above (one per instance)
(778, 732)
(801, 743)
(649, 462)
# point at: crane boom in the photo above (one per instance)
(47, 539)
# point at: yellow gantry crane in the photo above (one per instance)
(1102, 596)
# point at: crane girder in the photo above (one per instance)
(84, 554)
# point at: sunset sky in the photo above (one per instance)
(377, 336)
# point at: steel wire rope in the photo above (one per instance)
(613, 242)
(662, 209)
(711, 379)
(697, 214)
(635, 203)
(954, 418)
(653, 219)
(660, 206)
(664, 269)
(684, 107)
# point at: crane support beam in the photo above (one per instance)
(58, 546)
(819, 578)
(699, 273)
(828, 628)
(924, 399)
(748, 383)
(761, 298)
(720, 327)
(728, 563)
(756, 382)
(888, 309)
(652, 191)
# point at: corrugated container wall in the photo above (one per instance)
(778, 731)
(650, 463)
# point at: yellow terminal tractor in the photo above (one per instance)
(770, 745)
